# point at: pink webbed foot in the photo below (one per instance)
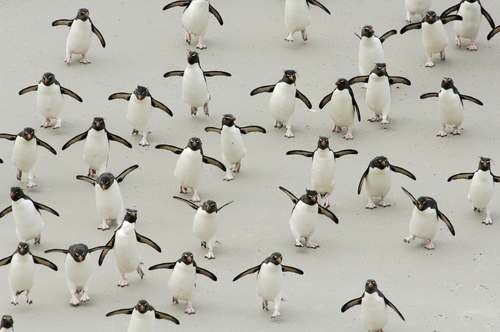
(104, 226)
(328, 198)
(455, 131)
(237, 167)
(175, 300)
(310, 244)
(458, 42)
(85, 296)
(74, 299)
(195, 197)
(487, 220)
(123, 281)
(278, 124)
(348, 135)
(46, 123)
(384, 120)
(365, 85)
(14, 299)
(84, 59)
(442, 55)
(91, 172)
(383, 202)
(68, 59)
(375, 118)
(194, 110)
(429, 62)
(139, 270)
(210, 254)
(304, 34)
(429, 245)
(189, 309)
(38, 238)
(298, 244)
(276, 313)
(188, 37)
(143, 141)
(442, 133)
(289, 38)
(229, 175)
(19, 174)
(203, 244)
(409, 239)
(289, 133)
(205, 109)
(58, 124)
(182, 190)
(472, 46)
(408, 18)
(200, 44)
(265, 305)
(28, 297)
(135, 132)
(336, 128)
(370, 204)
(31, 183)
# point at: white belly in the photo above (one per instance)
(195, 18)
(205, 226)
(282, 102)
(24, 154)
(297, 15)
(451, 110)
(370, 53)
(29, 222)
(469, 26)
(78, 274)
(303, 220)
(139, 113)
(109, 202)
(378, 95)
(434, 37)
(374, 314)
(21, 273)
(341, 109)
(126, 249)
(50, 101)
(481, 190)
(378, 182)
(233, 148)
(96, 150)
(142, 322)
(182, 282)
(418, 7)
(323, 171)
(79, 37)
(188, 169)
(269, 282)
(424, 224)
(194, 87)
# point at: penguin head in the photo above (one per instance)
(431, 17)
(98, 124)
(48, 79)
(187, 258)
(193, 57)
(209, 206)
(78, 252)
(143, 306)
(484, 164)
(83, 14)
(105, 180)
(276, 258)
(367, 31)
(131, 216)
(16, 193)
(380, 70)
(28, 133)
(289, 77)
(310, 197)
(23, 248)
(342, 84)
(228, 120)
(425, 202)
(194, 143)
(380, 162)
(447, 83)
(323, 143)
(371, 286)
(7, 322)
(141, 92)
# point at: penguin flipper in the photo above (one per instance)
(155, 103)
(451, 18)
(120, 95)
(191, 204)
(71, 94)
(86, 179)
(341, 153)
(414, 201)
(126, 172)
(302, 97)
(183, 3)
(465, 176)
(215, 13)
(387, 35)
(351, 304)
(10, 137)
(63, 251)
(28, 89)
(6, 211)
(328, 213)
(142, 239)
(162, 315)
(308, 154)
(496, 178)
(213, 130)
(215, 162)
(43, 261)
(99, 248)
(403, 171)
(264, 88)
(110, 245)
(216, 73)
(411, 26)
(363, 177)
(393, 307)
(446, 221)
(169, 265)
(398, 79)
(325, 100)
(206, 273)
(174, 73)
(45, 145)
(46, 208)
(220, 208)
(429, 95)
(285, 268)
(493, 32)
(6, 260)
(77, 138)
(116, 138)
(247, 272)
(252, 129)
(358, 79)
(294, 199)
(487, 17)
(472, 99)
(172, 148)
(62, 22)
(450, 10)
(316, 3)
(97, 33)
(120, 312)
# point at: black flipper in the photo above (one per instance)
(328, 213)
(387, 35)
(264, 88)
(45, 145)
(71, 94)
(142, 239)
(216, 73)
(63, 251)
(398, 80)
(413, 200)
(28, 89)
(429, 95)
(120, 95)
(110, 245)
(341, 153)
(128, 311)
(450, 10)
(446, 221)
(155, 103)
(77, 138)
(493, 32)
(206, 273)
(285, 268)
(43, 261)
(174, 73)
(126, 172)
(351, 304)
(183, 3)
(116, 138)
(5, 211)
(215, 13)
(215, 162)
(411, 26)
(169, 265)
(325, 100)
(302, 97)
(62, 22)
(86, 179)
(251, 129)
(172, 148)
(247, 272)
(359, 79)
(213, 130)
(45, 207)
(316, 3)
(472, 99)
(451, 18)
(393, 307)
(363, 177)
(308, 154)
(487, 17)
(162, 315)
(97, 33)
(6, 260)
(403, 171)
(191, 204)
(294, 199)
(465, 176)
(10, 137)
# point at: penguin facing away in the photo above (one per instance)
(270, 280)
(481, 189)
(298, 16)
(50, 99)
(195, 18)
(7, 324)
(80, 35)
(143, 317)
(416, 7)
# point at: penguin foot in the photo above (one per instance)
(278, 124)
(455, 131)
(327, 200)
(487, 220)
(46, 123)
(408, 18)
(370, 205)
(200, 44)
(442, 133)
(74, 300)
(58, 125)
(91, 172)
(442, 55)
(84, 59)
(188, 37)
(429, 245)
(189, 309)
(265, 305)
(182, 190)
(409, 239)
(310, 244)
(472, 46)
(143, 141)
(458, 42)
(31, 183)
(123, 282)
(429, 63)
(135, 132)
(104, 226)
(195, 197)
(85, 297)
(365, 86)
(336, 128)
(37, 239)
(14, 300)
(68, 59)
(375, 118)
(229, 176)
(28, 297)
(348, 135)
(304, 37)
(175, 300)
(289, 133)
(210, 254)
(141, 273)
(237, 167)
(194, 110)
(276, 313)
(385, 121)
(289, 38)
(476, 209)
(384, 203)
(298, 244)
(205, 109)
(19, 174)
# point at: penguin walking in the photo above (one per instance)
(25, 152)
(50, 99)
(182, 282)
(22, 271)
(125, 242)
(416, 7)
(298, 16)
(195, 18)
(323, 167)
(96, 147)
(108, 197)
(143, 317)
(434, 37)
(80, 35)
(270, 280)
(194, 83)
(282, 101)
(451, 106)
(470, 11)
(424, 220)
(7, 324)
(481, 187)
(27, 216)
(140, 109)
(343, 107)
(378, 91)
(205, 223)
(303, 219)
(378, 180)
(190, 164)
(374, 315)
(233, 147)
(78, 270)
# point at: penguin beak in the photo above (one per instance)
(46, 80)
(383, 70)
(97, 124)
(11, 195)
(420, 206)
(279, 260)
(103, 187)
(291, 78)
(233, 118)
(323, 143)
(314, 199)
(87, 15)
(80, 258)
(140, 98)
(189, 259)
(194, 143)
(383, 163)
(337, 83)
(372, 31)
(29, 136)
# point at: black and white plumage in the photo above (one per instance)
(140, 109)
(27, 216)
(451, 106)
(417, 7)
(50, 99)
(190, 164)
(25, 152)
(7, 324)
(323, 166)
(298, 16)
(481, 189)
(80, 35)
(195, 18)
(143, 317)
(182, 281)
(378, 180)
(303, 219)
(493, 32)
(194, 83)
(22, 271)
(233, 147)
(125, 244)
(282, 101)
(270, 280)
(374, 315)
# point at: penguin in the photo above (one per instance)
(7, 324)
(27, 216)
(194, 83)
(298, 16)
(424, 220)
(205, 223)
(50, 99)
(323, 167)
(481, 187)
(343, 108)
(303, 218)
(233, 148)
(195, 18)
(96, 147)
(182, 282)
(140, 109)
(416, 7)
(22, 271)
(282, 101)
(25, 152)
(433, 35)
(270, 280)
(378, 91)
(190, 164)
(80, 35)
(451, 106)
(374, 315)
(471, 11)
(109, 200)
(493, 32)
(125, 242)
(78, 270)
(378, 180)
(143, 317)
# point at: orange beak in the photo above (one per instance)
(279, 260)
(46, 80)
(337, 83)
(11, 195)
(80, 258)
(383, 163)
